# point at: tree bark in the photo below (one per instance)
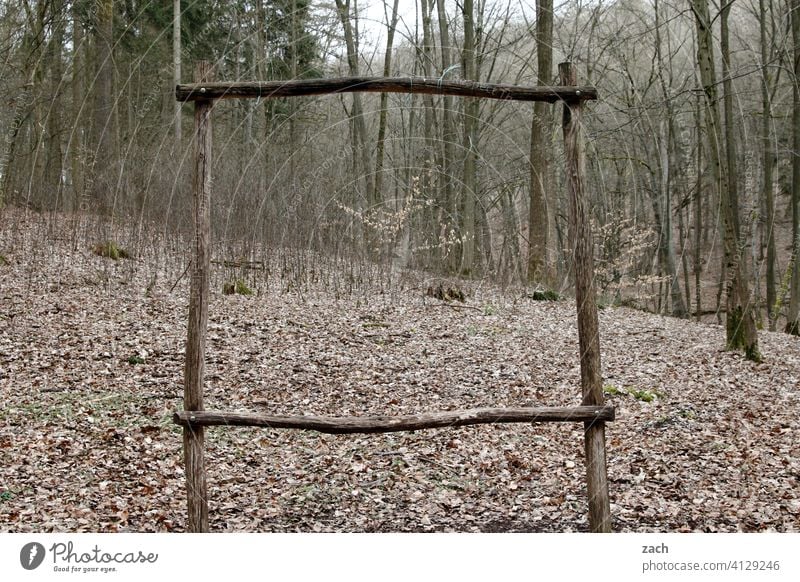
(449, 205)
(194, 366)
(793, 316)
(391, 25)
(470, 146)
(357, 112)
(740, 317)
(740, 325)
(768, 166)
(76, 142)
(53, 170)
(539, 212)
(176, 67)
(582, 245)
(103, 139)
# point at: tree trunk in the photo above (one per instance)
(539, 272)
(357, 112)
(449, 204)
(176, 66)
(666, 247)
(740, 318)
(470, 145)
(103, 140)
(698, 216)
(740, 324)
(793, 317)
(429, 151)
(53, 169)
(76, 139)
(391, 24)
(768, 167)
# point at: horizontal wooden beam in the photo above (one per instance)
(304, 87)
(378, 424)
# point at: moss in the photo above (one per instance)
(644, 395)
(111, 250)
(737, 338)
(237, 287)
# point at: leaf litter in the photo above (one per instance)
(91, 367)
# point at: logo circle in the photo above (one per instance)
(31, 555)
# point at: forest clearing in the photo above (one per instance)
(91, 367)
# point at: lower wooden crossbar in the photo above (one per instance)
(379, 424)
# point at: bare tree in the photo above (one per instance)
(539, 210)
(740, 324)
(793, 318)
(470, 144)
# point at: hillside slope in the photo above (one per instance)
(91, 370)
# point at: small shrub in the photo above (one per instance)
(4, 261)
(446, 293)
(544, 295)
(135, 359)
(111, 250)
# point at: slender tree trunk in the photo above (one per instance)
(768, 167)
(391, 24)
(176, 66)
(677, 307)
(103, 140)
(76, 141)
(357, 111)
(698, 217)
(449, 203)
(793, 317)
(539, 272)
(667, 170)
(429, 151)
(470, 145)
(740, 325)
(53, 169)
(740, 321)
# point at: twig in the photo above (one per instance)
(454, 306)
(175, 284)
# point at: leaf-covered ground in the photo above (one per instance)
(91, 355)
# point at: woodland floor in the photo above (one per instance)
(87, 442)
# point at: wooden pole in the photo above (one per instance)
(194, 370)
(380, 424)
(415, 85)
(588, 328)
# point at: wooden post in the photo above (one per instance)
(194, 369)
(588, 328)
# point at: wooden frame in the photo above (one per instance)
(592, 411)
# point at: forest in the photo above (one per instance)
(376, 253)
